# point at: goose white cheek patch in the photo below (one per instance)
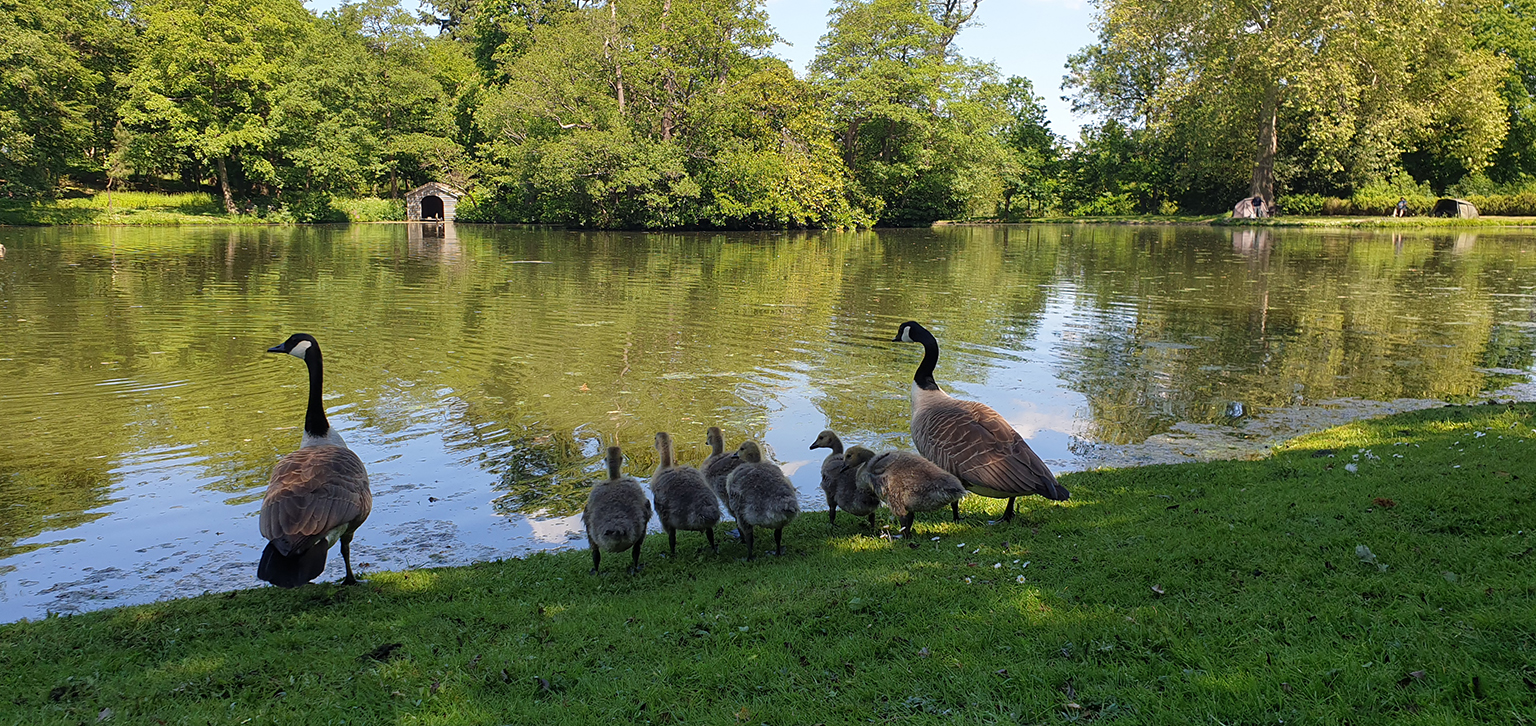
(300, 349)
(906, 335)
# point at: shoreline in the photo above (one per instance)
(1369, 571)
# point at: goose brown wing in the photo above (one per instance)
(975, 443)
(312, 491)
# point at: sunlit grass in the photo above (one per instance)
(188, 208)
(1226, 592)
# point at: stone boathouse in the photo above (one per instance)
(432, 201)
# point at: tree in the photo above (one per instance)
(201, 90)
(58, 65)
(901, 100)
(1350, 86)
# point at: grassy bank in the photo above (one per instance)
(1289, 221)
(155, 209)
(1228, 592)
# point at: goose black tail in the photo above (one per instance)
(292, 570)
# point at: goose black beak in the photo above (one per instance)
(278, 348)
(896, 339)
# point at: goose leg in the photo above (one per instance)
(831, 513)
(710, 535)
(955, 507)
(746, 536)
(597, 556)
(778, 541)
(671, 541)
(634, 565)
(871, 520)
(346, 557)
(1008, 513)
(906, 524)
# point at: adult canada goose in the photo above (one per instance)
(761, 496)
(719, 465)
(839, 482)
(683, 499)
(907, 482)
(617, 514)
(317, 495)
(969, 439)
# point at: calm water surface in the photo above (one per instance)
(479, 371)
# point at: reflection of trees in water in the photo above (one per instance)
(1272, 318)
(528, 350)
(37, 501)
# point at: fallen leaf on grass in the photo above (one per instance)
(1366, 556)
(1383, 502)
(743, 714)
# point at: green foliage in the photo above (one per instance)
(370, 209)
(58, 68)
(1228, 591)
(1302, 204)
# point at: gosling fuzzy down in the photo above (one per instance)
(760, 496)
(617, 514)
(907, 482)
(718, 466)
(971, 440)
(840, 482)
(683, 498)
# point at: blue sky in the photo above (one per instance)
(1029, 38)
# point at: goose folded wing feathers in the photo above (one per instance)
(977, 444)
(313, 491)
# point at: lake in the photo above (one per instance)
(479, 371)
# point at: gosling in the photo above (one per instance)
(718, 466)
(907, 482)
(683, 498)
(839, 482)
(617, 514)
(760, 496)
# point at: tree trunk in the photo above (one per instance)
(229, 198)
(1264, 161)
(668, 112)
(613, 47)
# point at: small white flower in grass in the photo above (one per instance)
(997, 565)
(978, 549)
(962, 544)
(1015, 562)
(1455, 466)
(1021, 579)
(935, 539)
(1026, 564)
(967, 580)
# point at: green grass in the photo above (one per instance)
(1265, 613)
(156, 209)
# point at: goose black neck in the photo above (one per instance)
(315, 423)
(924, 376)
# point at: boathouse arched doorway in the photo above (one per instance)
(431, 207)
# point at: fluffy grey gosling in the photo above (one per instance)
(907, 482)
(718, 466)
(761, 496)
(839, 482)
(683, 499)
(969, 439)
(617, 514)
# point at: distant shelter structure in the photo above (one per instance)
(432, 202)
